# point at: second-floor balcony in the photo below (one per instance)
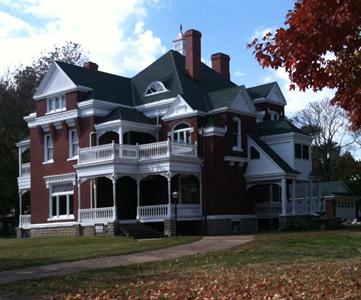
(152, 158)
(136, 153)
(24, 177)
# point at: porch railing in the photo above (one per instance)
(102, 214)
(136, 152)
(24, 220)
(150, 212)
(25, 170)
(302, 207)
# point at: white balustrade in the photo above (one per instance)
(102, 214)
(25, 170)
(136, 152)
(153, 211)
(162, 211)
(25, 220)
(302, 207)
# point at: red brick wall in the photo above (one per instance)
(61, 165)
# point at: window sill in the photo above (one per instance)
(62, 218)
(239, 149)
(55, 111)
(72, 158)
(51, 161)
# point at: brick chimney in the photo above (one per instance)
(220, 64)
(193, 54)
(90, 66)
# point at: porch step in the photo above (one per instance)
(139, 231)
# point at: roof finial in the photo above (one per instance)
(181, 28)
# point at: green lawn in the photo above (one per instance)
(21, 253)
(286, 263)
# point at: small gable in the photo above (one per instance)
(276, 95)
(55, 81)
(243, 104)
(178, 108)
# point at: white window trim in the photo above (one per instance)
(178, 132)
(52, 99)
(72, 155)
(48, 160)
(67, 216)
(239, 135)
(155, 93)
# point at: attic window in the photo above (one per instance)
(154, 88)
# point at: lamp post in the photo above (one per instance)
(175, 195)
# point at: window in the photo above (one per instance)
(302, 151)
(48, 148)
(56, 103)
(73, 143)
(61, 200)
(254, 154)
(155, 88)
(236, 134)
(181, 133)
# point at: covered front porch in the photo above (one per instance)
(142, 198)
(286, 197)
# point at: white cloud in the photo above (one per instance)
(114, 32)
(296, 100)
(238, 74)
(260, 32)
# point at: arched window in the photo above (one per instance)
(154, 88)
(181, 133)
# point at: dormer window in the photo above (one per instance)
(56, 103)
(155, 87)
(181, 133)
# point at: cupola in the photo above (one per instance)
(179, 42)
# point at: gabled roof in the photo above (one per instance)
(261, 91)
(128, 114)
(330, 188)
(277, 127)
(170, 70)
(273, 155)
(106, 86)
(222, 98)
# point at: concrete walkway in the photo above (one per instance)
(206, 244)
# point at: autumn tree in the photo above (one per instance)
(319, 47)
(16, 92)
(332, 138)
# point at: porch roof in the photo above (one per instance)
(277, 127)
(128, 114)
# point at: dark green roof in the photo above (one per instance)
(170, 70)
(273, 155)
(222, 98)
(106, 86)
(128, 114)
(261, 91)
(277, 127)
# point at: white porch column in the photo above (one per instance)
(284, 195)
(114, 182)
(311, 199)
(79, 182)
(20, 161)
(120, 133)
(293, 196)
(169, 180)
(95, 193)
(20, 207)
(138, 195)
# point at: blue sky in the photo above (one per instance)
(125, 36)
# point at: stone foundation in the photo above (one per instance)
(169, 227)
(231, 226)
(55, 231)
